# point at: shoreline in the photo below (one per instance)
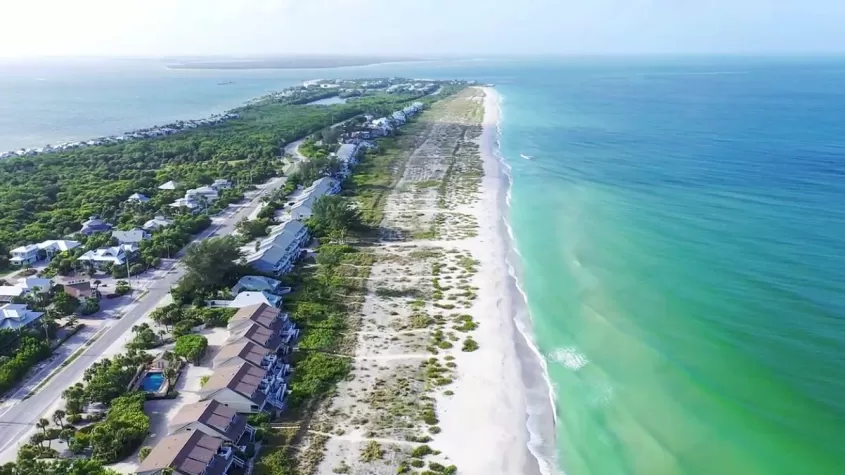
(538, 403)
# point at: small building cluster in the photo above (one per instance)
(157, 131)
(250, 376)
(197, 198)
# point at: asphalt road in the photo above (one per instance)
(19, 419)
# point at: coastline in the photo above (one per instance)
(483, 397)
(541, 416)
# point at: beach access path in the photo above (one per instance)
(18, 414)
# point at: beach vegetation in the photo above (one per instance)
(421, 451)
(469, 345)
(417, 463)
(372, 451)
(191, 347)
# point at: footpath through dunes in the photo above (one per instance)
(433, 368)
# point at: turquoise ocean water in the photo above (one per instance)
(680, 224)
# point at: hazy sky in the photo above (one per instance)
(416, 27)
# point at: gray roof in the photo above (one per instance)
(132, 236)
(216, 416)
(189, 453)
(275, 247)
(242, 378)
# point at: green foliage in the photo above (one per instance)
(124, 428)
(211, 264)
(89, 306)
(145, 337)
(64, 304)
(211, 317)
(122, 287)
(277, 462)
(23, 353)
(142, 454)
(315, 374)
(107, 379)
(332, 214)
(371, 452)
(421, 451)
(253, 228)
(191, 347)
(469, 345)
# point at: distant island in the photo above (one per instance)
(286, 62)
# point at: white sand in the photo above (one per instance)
(484, 423)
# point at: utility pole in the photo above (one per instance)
(128, 276)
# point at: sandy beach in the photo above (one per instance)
(436, 367)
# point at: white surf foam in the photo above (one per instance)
(569, 357)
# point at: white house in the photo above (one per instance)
(133, 236)
(170, 185)
(16, 316)
(245, 299)
(189, 203)
(24, 255)
(157, 223)
(29, 254)
(115, 255)
(302, 209)
(206, 193)
(137, 198)
(23, 287)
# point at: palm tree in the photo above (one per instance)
(43, 424)
(170, 374)
(58, 417)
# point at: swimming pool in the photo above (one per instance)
(152, 382)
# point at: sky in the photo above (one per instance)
(35, 28)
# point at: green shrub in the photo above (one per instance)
(421, 451)
(469, 345)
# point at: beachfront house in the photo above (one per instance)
(214, 419)
(133, 236)
(16, 316)
(105, 256)
(95, 225)
(190, 453)
(249, 298)
(266, 316)
(245, 388)
(249, 352)
(303, 208)
(258, 283)
(158, 222)
(137, 198)
(279, 250)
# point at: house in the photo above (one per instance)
(30, 254)
(95, 225)
(249, 352)
(24, 255)
(189, 203)
(259, 335)
(346, 154)
(248, 298)
(137, 198)
(190, 453)
(266, 316)
(170, 185)
(214, 419)
(10, 292)
(277, 252)
(398, 117)
(133, 236)
(257, 283)
(79, 289)
(206, 193)
(15, 316)
(303, 209)
(221, 184)
(157, 223)
(245, 388)
(31, 284)
(55, 246)
(114, 255)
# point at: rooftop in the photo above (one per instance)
(188, 453)
(216, 416)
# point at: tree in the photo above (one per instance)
(212, 262)
(43, 424)
(65, 304)
(191, 347)
(58, 418)
(332, 214)
(142, 454)
(89, 306)
(253, 228)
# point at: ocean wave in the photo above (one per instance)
(569, 357)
